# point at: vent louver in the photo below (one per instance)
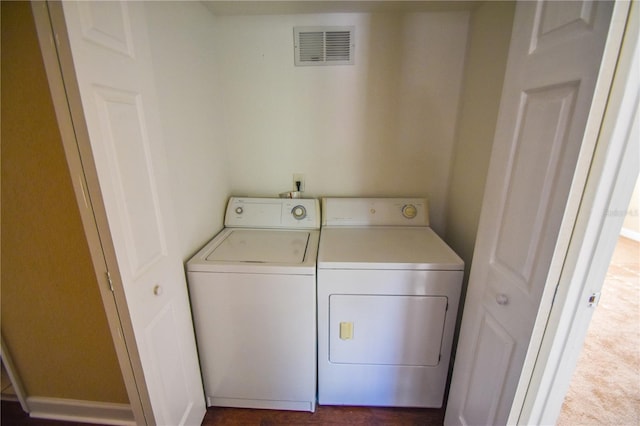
(323, 45)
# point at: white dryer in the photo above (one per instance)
(253, 296)
(388, 293)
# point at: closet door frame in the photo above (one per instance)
(54, 46)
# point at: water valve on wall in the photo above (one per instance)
(298, 182)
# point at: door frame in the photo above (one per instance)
(18, 387)
(592, 233)
(58, 62)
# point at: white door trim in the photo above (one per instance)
(73, 410)
(18, 387)
(563, 321)
(54, 45)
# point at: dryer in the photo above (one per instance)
(253, 296)
(388, 294)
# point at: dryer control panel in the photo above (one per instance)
(375, 212)
(291, 213)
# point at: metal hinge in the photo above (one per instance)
(109, 281)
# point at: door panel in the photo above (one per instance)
(555, 21)
(113, 66)
(160, 334)
(107, 24)
(538, 148)
(551, 73)
(131, 171)
(493, 349)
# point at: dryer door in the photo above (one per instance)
(386, 329)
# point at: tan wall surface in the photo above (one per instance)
(489, 37)
(384, 126)
(53, 320)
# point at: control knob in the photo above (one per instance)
(299, 212)
(409, 211)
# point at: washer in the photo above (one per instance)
(388, 293)
(253, 296)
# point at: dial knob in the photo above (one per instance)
(239, 210)
(409, 211)
(299, 212)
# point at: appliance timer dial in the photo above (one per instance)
(299, 212)
(409, 211)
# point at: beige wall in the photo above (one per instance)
(182, 36)
(489, 37)
(384, 126)
(53, 320)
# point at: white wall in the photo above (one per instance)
(186, 74)
(382, 127)
(631, 225)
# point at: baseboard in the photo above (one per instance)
(9, 397)
(80, 411)
(631, 234)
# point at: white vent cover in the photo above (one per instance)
(323, 45)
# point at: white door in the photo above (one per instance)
(551, 74)
(112, 62)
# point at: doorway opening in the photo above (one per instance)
(605, 388)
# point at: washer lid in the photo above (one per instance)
(385, 248)
(261, 246)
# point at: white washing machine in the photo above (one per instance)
(253, 296)
(388, 293)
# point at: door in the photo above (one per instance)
(112, 64)
(553, 66)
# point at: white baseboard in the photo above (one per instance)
(80, 411)
(628, 233)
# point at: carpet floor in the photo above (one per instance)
(605, 389)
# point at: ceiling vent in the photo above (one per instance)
(323, 45)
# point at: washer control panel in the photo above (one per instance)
(296, 213)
